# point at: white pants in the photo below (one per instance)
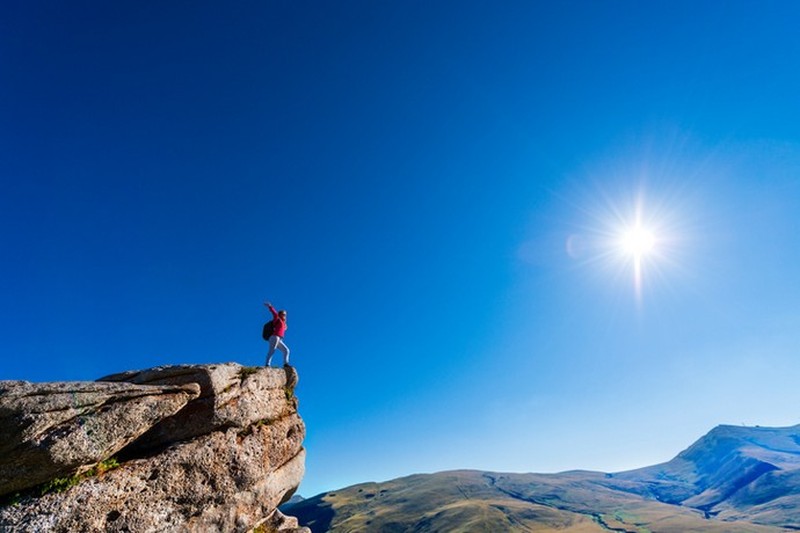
(276, 342)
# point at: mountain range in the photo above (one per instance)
(733, 479)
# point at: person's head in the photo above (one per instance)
(282, 314)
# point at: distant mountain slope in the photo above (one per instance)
(734, 479)
(731, 471)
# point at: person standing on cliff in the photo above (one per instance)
(278, 331)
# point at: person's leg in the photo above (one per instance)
(273, 343)
(285, 349)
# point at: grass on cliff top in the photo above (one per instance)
(246, 371)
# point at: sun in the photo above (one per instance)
(632, 235)
(636, 245)
(637, 242)
(631, 238)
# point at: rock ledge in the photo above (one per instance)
(200, 448)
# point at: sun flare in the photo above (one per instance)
(631, 238)
(637, 242)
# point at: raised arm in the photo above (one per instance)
(271, 310)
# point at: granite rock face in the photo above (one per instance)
(48, 429)
(225, 400)
(223, 460)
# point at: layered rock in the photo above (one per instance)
(48, 429)
(221, 461)
(225, 400)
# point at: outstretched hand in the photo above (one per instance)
(267, 304)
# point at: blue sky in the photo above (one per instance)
(429, 188)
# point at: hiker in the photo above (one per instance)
(278, 331)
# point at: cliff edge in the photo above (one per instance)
(173, 448)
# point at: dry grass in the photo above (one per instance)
(467, 501)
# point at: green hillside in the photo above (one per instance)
(472, 501)
(731, 480)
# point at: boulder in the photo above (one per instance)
(225, 481)
(223, 462)
(230, 396)
(49, 429)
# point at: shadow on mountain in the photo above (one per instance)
(314, 513)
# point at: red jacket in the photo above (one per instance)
(279, 324)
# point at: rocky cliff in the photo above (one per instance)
(176, 448)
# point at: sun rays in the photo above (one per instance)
(632, 237)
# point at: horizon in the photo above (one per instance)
(617, 472)
(534, 237)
